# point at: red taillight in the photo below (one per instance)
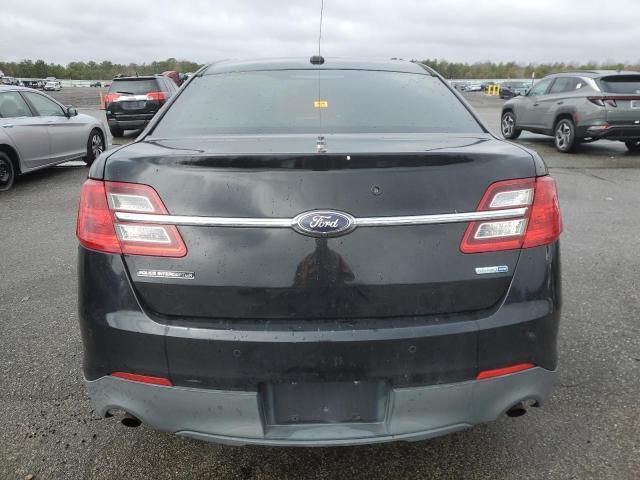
(540, 225)
(95, 228)
(134, 377)
(602, 101)
(111, 97)
(99, 229)
(157, 96)
(498, 372)
(545, 221)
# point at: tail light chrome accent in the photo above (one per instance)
(539, 225)
(99, 229)
(131, 219)
(245, 222)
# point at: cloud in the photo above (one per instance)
(203, 31)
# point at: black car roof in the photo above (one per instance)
(330, 63)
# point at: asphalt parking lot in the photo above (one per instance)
(590, 428)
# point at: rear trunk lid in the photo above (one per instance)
(278, 273)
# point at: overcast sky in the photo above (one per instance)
(125, 31)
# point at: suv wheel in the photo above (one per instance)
(116, 131)
(565, 135)
(508, 126)
(7, 172)
(633, 145)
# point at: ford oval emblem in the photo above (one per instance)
(324, 223)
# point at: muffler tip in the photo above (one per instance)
(130, 421)
(517, 410)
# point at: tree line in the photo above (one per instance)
(106, 70)
(503, 70)
(92, 70)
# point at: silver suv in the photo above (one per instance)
(578, 107)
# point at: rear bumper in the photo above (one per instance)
(616, 132)
(129, 124)
(236, 417)
(129, 120)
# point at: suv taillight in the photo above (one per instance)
(603, 101)
(157, 96)
(111, 97)
(98, 229)
(541, 224)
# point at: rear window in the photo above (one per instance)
(312, 101)
(134, 87)
(621, 84)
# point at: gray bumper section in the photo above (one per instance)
(235, 417)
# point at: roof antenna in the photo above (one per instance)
(318, 59)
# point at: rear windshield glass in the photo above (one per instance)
(312, 101)
(621, 84)
(134, 87)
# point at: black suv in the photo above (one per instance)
(133, 101)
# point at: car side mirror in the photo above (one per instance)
(72, 112)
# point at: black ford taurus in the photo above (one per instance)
(318, 252)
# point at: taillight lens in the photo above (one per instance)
(603, 101)
(111, 97)
(545, 221)
(98, 228)
(95, 228)
(157, 96)
(541, 224)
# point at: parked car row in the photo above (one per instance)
(508, 89)
(49, 83)
(466, 86)
(8, 81)
(36, 132)
(514, 88)
(576, 107)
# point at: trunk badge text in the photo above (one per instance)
(166, 274)
(324, 223)
(496, 269)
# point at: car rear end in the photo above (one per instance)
(221, 298)
(131, 102)
(614, 111)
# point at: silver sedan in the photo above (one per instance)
(37, 132)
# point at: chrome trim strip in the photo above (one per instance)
(187, 220)
(440, 218)
(205, 221)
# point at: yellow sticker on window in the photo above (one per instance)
(321, 104)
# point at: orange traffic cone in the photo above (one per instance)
(102, 106)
